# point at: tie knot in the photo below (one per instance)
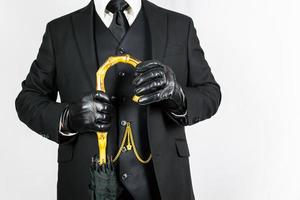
(116, 6)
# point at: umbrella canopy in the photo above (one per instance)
(103, 180)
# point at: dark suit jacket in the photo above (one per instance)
(66, 63)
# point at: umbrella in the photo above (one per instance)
(103, 179)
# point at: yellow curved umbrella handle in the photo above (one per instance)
(111, 61)
(100, 86)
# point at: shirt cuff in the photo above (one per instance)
(60, 128)
(180, 119)
(179, 115)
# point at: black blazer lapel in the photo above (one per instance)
(84, 34)
(158, 22)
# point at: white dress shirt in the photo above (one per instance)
(131, 12)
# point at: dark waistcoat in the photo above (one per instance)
(137, 178)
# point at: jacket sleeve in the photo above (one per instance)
(203, 94)
(36, 104)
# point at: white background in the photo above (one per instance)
(248, 151)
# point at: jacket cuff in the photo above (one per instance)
(51, 118)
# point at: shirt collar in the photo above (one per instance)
(133, 9)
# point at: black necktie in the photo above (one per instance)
(119, 25)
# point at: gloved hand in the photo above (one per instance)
(156, 82)
(91, 113)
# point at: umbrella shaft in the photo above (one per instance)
(102, 142)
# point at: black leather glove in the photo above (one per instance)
(156, 82)
(91, 113)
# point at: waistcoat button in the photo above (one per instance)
(121, 50)
(123, 123)
(124, 149)
(124, 176)
(121, 73)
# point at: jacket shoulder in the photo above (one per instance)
(64, 20)
(179, 17)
